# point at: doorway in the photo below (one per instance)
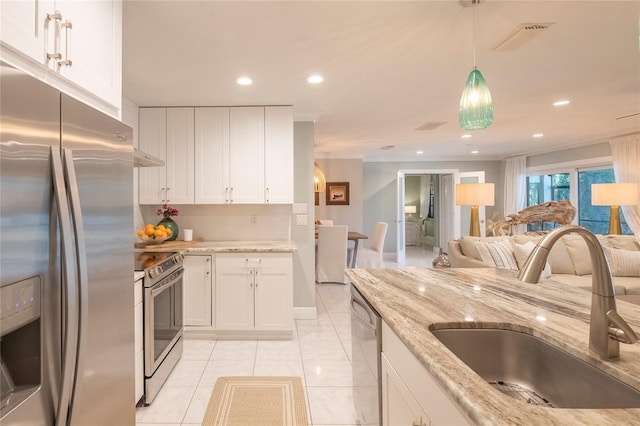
(426, 214)
(451, 218)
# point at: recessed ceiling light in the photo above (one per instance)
(475, 151)
(466, 136)
(244, 81)
(561, 103)
(315, 79)
(419, 152)
(538, 135)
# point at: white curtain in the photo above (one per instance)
(626, 166)
(425, 185)
(515, 188)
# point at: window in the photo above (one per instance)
(548, 187)
(595, 218)
(560, 185)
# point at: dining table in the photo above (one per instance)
(355, 237)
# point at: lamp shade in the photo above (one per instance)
(614, 194)
(319, 181)
(476, 107)
(475, 194)
(410, 209)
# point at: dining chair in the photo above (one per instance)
(372, 257)
(331, 254)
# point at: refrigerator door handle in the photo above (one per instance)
(82, 274)
(70, 294)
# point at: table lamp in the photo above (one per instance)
(614, 195)
(474, 195)
(410, 210)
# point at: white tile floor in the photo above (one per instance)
(320, 353)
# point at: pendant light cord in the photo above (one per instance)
(475, 2)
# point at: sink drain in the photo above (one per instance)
(520, 392)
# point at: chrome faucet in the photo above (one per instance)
(607, 328)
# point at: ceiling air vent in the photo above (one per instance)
(522, 34)
(431, 125)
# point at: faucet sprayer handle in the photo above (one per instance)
(621, 332)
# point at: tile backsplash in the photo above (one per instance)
(248, 222)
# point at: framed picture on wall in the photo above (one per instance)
(337, 194)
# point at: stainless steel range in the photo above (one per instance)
(163, 317)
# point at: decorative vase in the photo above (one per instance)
(169, 223)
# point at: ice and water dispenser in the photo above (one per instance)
(20, 342)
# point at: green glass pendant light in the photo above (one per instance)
(476, 107)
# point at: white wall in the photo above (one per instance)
(343, 171)
(304, 263)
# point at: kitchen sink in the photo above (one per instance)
(530, 369)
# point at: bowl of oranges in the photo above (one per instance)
(152, 234)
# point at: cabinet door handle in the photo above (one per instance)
(231, 195)
(56, 17)
(267, 197)
(67, 34)
(226, 195)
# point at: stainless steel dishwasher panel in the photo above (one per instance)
(366, 341)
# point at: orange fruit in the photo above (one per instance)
(149, 231)
(159, 233)
(141, 233)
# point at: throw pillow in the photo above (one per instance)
(497, 253)
(522, 253)
(623, 263)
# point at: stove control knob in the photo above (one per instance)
(154, 272)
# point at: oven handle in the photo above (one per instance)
(159, 288)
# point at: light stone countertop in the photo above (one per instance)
(410, 300)
(204, 247)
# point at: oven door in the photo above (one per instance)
(163, 319)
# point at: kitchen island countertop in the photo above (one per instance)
(413, 300)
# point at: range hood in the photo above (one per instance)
(142, 159)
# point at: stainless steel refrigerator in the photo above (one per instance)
(66, 259)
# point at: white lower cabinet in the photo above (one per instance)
(254, 291)
(410, 395)
(399, 406)
(138, 342)
(198, 290)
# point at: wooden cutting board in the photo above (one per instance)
(177, 244)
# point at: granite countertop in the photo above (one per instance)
(226, 247)
(410, 300)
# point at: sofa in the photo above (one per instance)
(569, 261)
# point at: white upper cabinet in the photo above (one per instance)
(180, 156)
(152, 128)
(25, 27)
(246, 155)
(278, 151)
(212, 155)
(167, 133)
(81, 41)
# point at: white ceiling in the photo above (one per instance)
(392, 66)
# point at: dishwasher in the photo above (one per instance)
(366, 347)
